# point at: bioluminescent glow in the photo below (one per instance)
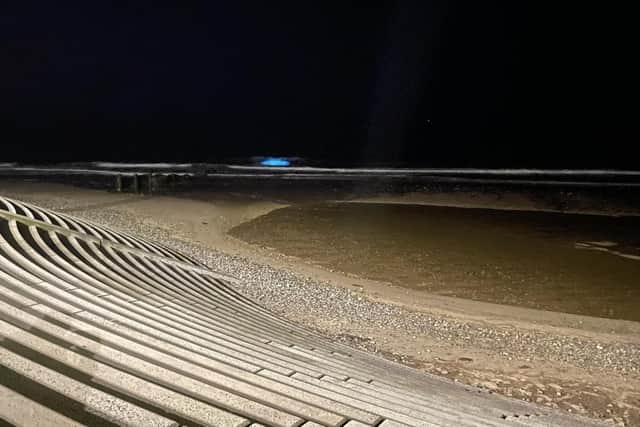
(275, 161)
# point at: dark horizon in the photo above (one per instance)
(404, 83)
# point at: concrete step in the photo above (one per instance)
(97, 402)
(210, 372)
(176, 402)
(355, 401)
(19, 410)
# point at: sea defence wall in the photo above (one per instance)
(99, 327)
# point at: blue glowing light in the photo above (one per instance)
(275, 161)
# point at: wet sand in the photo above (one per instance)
(580, 264)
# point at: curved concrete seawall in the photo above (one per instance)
(98, 327)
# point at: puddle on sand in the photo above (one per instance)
(570, 263)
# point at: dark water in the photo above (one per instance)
(579, 264)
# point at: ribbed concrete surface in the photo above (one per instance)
(98, 327)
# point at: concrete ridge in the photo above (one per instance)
(99, 327)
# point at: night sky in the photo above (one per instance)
(404, 83)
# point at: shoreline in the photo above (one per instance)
(404, 200)
(559, 360)
(501, 201)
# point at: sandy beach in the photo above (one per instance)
(582, 364)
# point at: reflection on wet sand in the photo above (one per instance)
(531, 259)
